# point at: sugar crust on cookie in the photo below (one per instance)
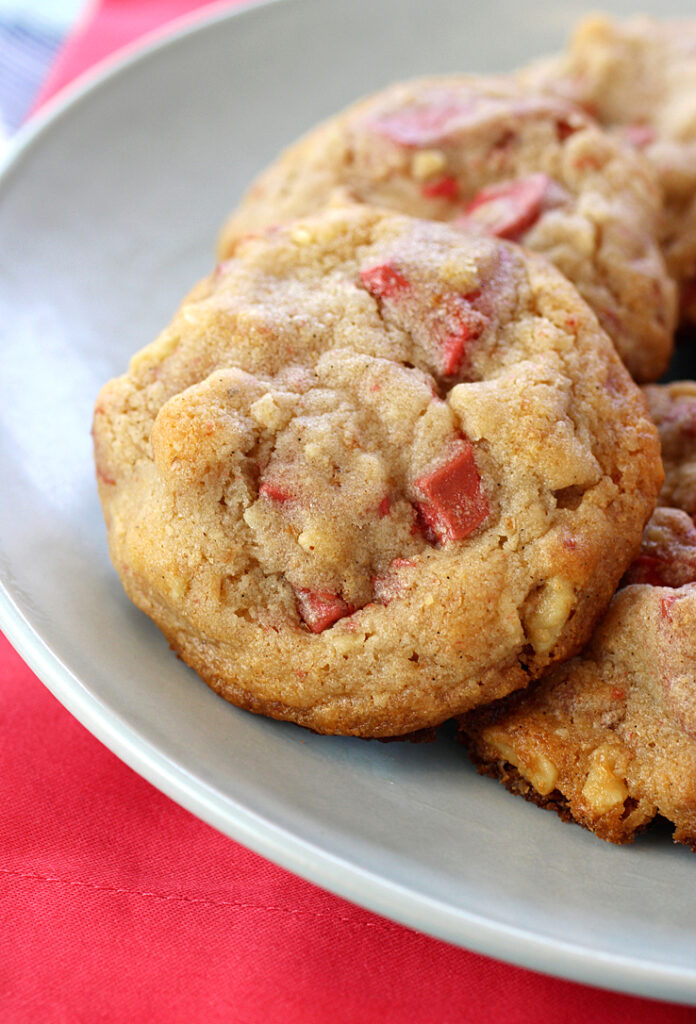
(375, 472)
(491, 156)
(609, 739)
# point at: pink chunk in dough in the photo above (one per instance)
(383, 281)
(446, 187)
(450, 319)
(510, 208)
(426, 124)
(455, 504)
(319, 609)
(460, 325)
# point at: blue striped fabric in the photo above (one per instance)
(27, 48)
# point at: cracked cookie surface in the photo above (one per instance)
(375, 472)
(489, 156)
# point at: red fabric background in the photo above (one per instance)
(117, 905)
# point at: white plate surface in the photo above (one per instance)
(108, 212)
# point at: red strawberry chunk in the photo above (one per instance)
(319, 609)
(383, 281)
(455, 325)
(454, 349)
(274, 492)
(427, 124)
(455, 502)
(445, 321)
(510, 208)
(441, 188)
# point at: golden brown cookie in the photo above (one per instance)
(667, 555)
(638, 78)
(608, 739)
(673, 408)
(490, 156)
(376, 472)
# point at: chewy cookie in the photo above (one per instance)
(668, 551)
(673, 408)
(638, 77)
(490, 156)
(609, 739)
(375, 473)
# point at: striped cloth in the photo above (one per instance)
(28, 45)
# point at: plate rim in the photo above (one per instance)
(465, 929)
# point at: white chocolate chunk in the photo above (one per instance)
(266, 412)
(541, 772)
(426, 163)
(605, 787)
(549, 614)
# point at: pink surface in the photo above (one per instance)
(117, 905)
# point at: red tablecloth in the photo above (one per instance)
(117, 905)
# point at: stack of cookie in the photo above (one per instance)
(390, 462)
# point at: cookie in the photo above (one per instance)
(638, 78)
(668, 552)
(673, 408)
(375, 473)
(490, 156)
(608, 739)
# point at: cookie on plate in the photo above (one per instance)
(667, 555)
(638, 78)
(609, 739)
(375, 473)
(673, 408)
(490, 156)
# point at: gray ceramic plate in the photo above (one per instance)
(108, 211)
